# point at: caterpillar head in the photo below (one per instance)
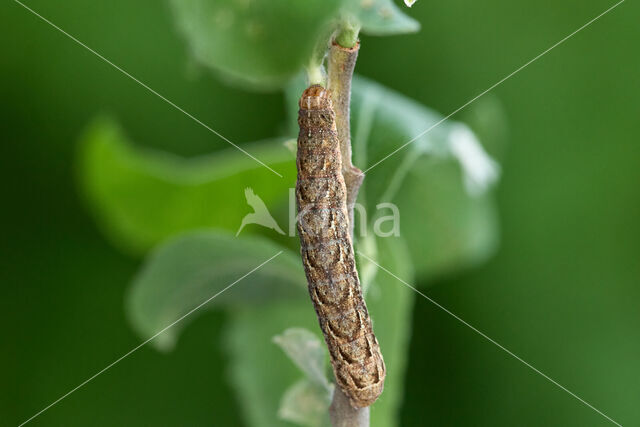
(316, 97)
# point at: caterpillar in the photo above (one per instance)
(327, 253)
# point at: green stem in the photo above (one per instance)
(315, 74)
(348, 35)
(341, 63)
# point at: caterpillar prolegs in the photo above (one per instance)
(327, 253)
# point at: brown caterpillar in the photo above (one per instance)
(327, 253)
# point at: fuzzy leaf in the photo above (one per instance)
(259, 371)
(262, 43)
(380, 17)
(445, 228)
(191, 268)
(305, 404)
(391, 305)
(440, 182)
(307, 351)
(142, 197)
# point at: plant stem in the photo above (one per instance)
(344, 415)
(348, 35)
(341, 63)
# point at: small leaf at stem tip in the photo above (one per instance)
(307, 351)
(195, 271)
(256, 44)
(379, 18)
(305, 404)
(409, 3)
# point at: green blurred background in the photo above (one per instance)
(562, 291)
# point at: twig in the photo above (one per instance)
(342, 413)
(341, 63)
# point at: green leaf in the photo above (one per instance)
(392, 132)
(440, 182)
(445, 227)
(142, 197)
(380, 17)
(257, 42)
(260, 372)
(264, 43)
(190, 269)
(391, 305)
(305, 404)
(307, 351)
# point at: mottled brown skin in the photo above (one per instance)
(327, 253)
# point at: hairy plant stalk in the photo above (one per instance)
(342, 414)
(341, 63)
